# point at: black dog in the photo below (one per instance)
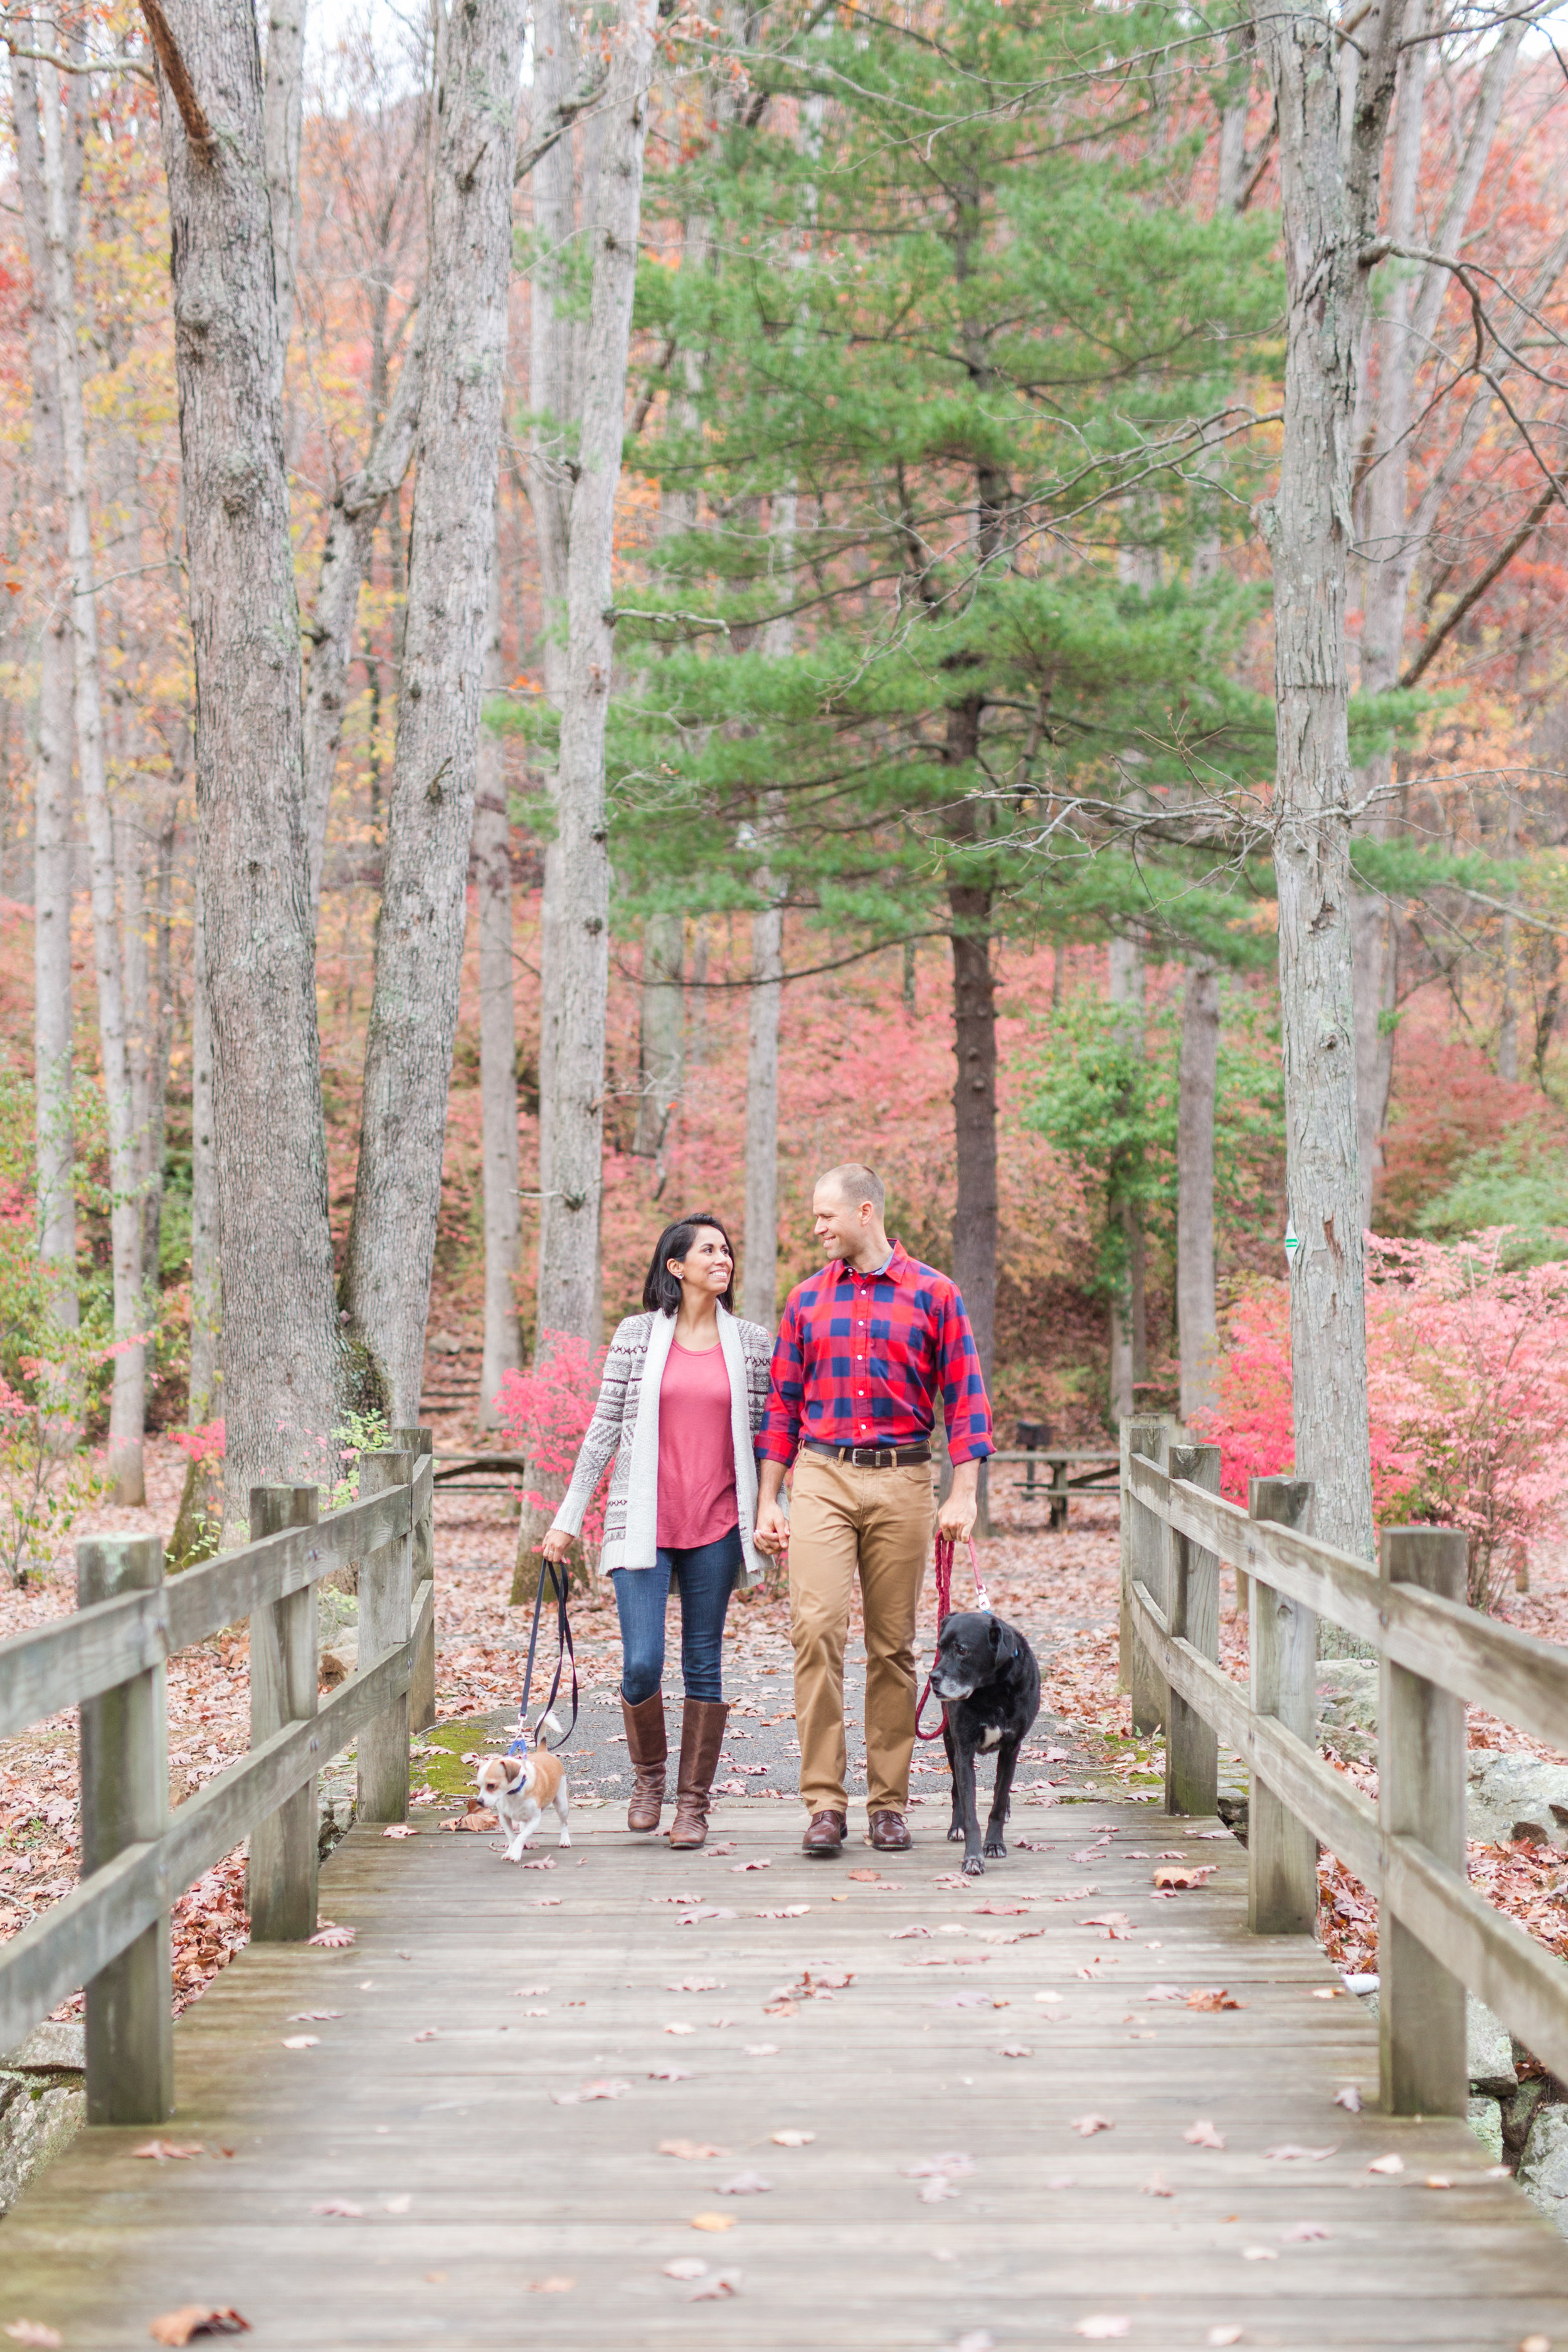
(989, 1684)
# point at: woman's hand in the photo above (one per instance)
(773, 1529)
(557, 1544)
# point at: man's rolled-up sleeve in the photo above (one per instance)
(778, 1439)
(965, 1407)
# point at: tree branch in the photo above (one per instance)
(181, 90)
(1478, 588)
(62, 64)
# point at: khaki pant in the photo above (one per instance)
(878, 1522)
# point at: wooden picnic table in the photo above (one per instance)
(1060, 1459)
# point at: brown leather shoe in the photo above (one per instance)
(702, 1737)
(649, 1751)
(826, 1833)
(890, 1834)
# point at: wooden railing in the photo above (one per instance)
(112, 1933)
(1436, 1937)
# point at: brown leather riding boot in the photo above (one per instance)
(648, 1747)
(702, 1737)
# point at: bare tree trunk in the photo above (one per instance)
(283, 105)
(128, 1394)
(498, 1039)
(1129, 1311)
(661, 1041)
(280, 1347)
(424, 902)
(1332, 101)
(356, 510)
(161, 1040)
(574, 1017)
(974, 1113)
(696, 994)
(1195, 1187)
(207, 1291)
(52, 848)
(759, 1296)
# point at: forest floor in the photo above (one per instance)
(1063, 1584)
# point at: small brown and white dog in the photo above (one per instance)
(517, 1789)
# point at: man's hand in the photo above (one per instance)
(557, 1544)
(772, 1526)
(956, 1516)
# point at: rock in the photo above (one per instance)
(50, 2048)
(1489, 2052)
(34, 2125)
(1485, 2119)
(334, 1611)
(1544, 2168)
(1518, 2113)
(1347, 1707)
(1510, 1795)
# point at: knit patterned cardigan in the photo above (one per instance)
(624, 1433)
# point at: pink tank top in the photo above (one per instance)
(696, 1452)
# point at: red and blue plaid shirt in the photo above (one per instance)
(859, 1356)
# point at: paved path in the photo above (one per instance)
(478, 1995)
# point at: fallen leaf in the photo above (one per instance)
(680, 2029)
(1536, 2344)
(762, 2049)
(395, 2204)
(1003, 1910)
(685, 2266)
(1015, 2050)
(962, 2000)
(551, 2286)
(979, 2339)
(549, 1903)
(1437, 2180)
(399, 1830)
(196, 2319)
(1102, 2326)
(746, 2184)
(695, 1984)
(1301, 2234)
(1203, 2135)
(1386, 2164)
(544, 1862)
(334, 1939)
(934, 2191)
(713, 2221)
(784, 1911)
(1164, 1992)
(301, 2041)
(722, 2285)
(1050, 1996)
(1087, 2125)
(33, 2331)
(763, 1864)
(312, 2016)
(865, 1876)
(691, 2151)
(669, 2074)
(161, 2150)
(435, 2278)
(607, 2088)
(428, 2034)
(1186, 1874)
(1215, 1999)
(1157, 2186)
(1290, 2152)
(1349, 2099)
(1219, 2336)
(1258, 2254)
(952, 2163)
(1322, 1992)
(792, 2138)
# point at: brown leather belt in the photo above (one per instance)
(868, 1457)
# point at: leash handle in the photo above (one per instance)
(945, 1548)
(556, 1573)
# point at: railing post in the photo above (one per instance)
(385, 1600)
(1142, 1562)
(1192, 1750)
(422, 1689)
(1281, 1852)
(124, 1803)
(1420, 1794)
(281, 1879)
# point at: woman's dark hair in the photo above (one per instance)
(661, 1292)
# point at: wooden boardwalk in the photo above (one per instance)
(476, 1994)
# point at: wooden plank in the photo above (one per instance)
(90, 1927)
(1281, 1852)
(1516, 1977)
(125, 1802)
(1191, 1752)
(1517, 1677)
(73, 1658)
(281, 1871)
(386, 1599)
(421, 1443)
(1142, 1543)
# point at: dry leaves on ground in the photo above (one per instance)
(33, 2331)
(691, 2151)
(1386, 2164)
(608, 2087)
(1302, 2233)
(197, 2319)
(669, 2074)
(717, 2289)
(1220, 2336)
(1349, 2099)
(791, 2138)
(551, 2286)
(1103, 2326)
(163, 2150)
(1216, 1997)
(301, 2041)
(685, 2266)
(1203, 2135)
(331, 1938)
(337, 2209)
(713, 2221)
(695, 1984)
(1186, 1874)
(399, 1830)
(1087, 2125)
(1289, 2152)
(746, 2184)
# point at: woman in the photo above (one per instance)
(684, 1387)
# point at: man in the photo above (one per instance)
(863, 1348)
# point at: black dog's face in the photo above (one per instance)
(967, 1655)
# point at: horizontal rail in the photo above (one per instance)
(103, 1916)
(1522, 1680)
(73, 1658)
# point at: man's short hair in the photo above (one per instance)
(854, 1183)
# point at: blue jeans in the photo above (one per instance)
(706, 1577)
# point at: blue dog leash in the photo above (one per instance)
(523, 1743)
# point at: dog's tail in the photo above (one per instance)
(546, 1723)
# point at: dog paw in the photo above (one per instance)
(994, 1849)
(955, 1834)
(972, 1867)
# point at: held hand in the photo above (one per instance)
(773, 1529)
(557, 1544)
(957, 1515)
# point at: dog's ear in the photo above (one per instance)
(995, 1637)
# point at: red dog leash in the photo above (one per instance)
(945, 1548)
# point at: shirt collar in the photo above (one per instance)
(890, 1269)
